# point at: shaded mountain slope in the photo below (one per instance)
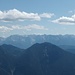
(39, 59)
(46, 59)
(8, 57)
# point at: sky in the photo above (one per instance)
(26, 17)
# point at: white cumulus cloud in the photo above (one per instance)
(47, 15)
(16, 15)
(65, 20)
(12, 15)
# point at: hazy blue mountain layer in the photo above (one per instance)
(27, 41)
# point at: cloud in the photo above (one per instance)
(65, 20)
(5, 29)
(47, 15)
(16, 15)
(29, 27)
(19, 27)
(70, 11)
(12, 15)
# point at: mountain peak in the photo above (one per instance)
(42, 44)
(46, 59)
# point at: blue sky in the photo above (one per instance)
(26, 17)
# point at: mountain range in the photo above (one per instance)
(26, 41)
(39, 59)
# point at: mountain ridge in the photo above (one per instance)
(27, 41)
(39, 59)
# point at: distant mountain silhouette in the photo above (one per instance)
(27, 41)
(69, 48)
